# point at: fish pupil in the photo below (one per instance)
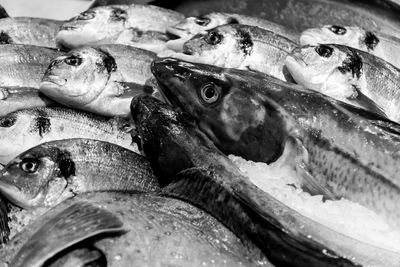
(202, 21)
(324, 50)
(210, 92)
(73, 61)
(339, 30)
(86, 15)
(213, 38)
(7, 122)
(28, 165)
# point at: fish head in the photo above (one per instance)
(324, 67)
(223, 46)
(36, 177)
(226, 108)
(332, 34)
(79, 77)
(94, 26)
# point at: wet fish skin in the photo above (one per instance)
(112, 20)
(41, 175)
(24, 65)
(29, 31)
(100, 79)
(350, 75)
(205, 177)
(153, 41)
(25, 129)
(381, 45)
(175, 233)
(97, 3)
(242, 47)
(191, 26)
(4, 229)
(362, 149)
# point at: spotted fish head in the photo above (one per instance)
(332, 34)
(79, 77)
(322, 66)
(37, 177)
(223, 46)
(97, 25)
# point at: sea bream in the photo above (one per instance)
(191, 26)
(157, 231)
(30, 31)
(195, 171)
(242, 47)
(349, 75)
(100, 79)
(103, 25)
(24, 65)
(378, 44)
(24, 129)
(338, 151)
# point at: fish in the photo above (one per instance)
(24, 129)
(194, 170)
(380, 45)
(24, 65)
(84, 29)
(350, 75)
(4, 219)
(175, 232)
(66, 226)
(101, 79)
(337, 152)
(40, 176)
(191, 26)
(242, 47)
(17, 98)
(29, 31)
(301, 14)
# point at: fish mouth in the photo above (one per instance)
(178, 32)
(15, 195)
(51, 80)
(68, 28)
(308, 38)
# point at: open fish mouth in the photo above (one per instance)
(15, 195)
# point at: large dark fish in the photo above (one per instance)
(159, 231)
(339, 153)
(197, 172)
(298, 14)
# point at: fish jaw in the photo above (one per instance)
(19, 198)
(311, 37)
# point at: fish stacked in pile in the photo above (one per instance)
(259, 133)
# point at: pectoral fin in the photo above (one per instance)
(365, 102)
(67, 227)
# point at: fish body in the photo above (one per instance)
(40, 176)
(350, 75)
(175, 232)
(383, 46)
(191, 26)
(300, 15)
(17, 98)
(24, 129)
(241, 47)
(97, 3)
(24, 65)
(202, 175)
(100, 79)
(103, 25)
(338, 152)
(29, 31)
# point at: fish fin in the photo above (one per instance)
(4, 93)
(311, 185)
(4, 229)
(366, 102)
(67, 227)
(82, 256)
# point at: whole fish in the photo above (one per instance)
(17, 98)
(102, 25)
(242, 47)
(24, 65)
(300, 15)
(24, 129)
(191, 26)
(101, 80)
(350, 75)
(338, 152)
(381, 45)
(41, 175)
(30, 31)
(195, 171)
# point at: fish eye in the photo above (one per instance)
(213, 38)
(29, 165)
(87, 15)
(324, 50)
(202, 21)
(210, 93)
(7, 122)
(339, 30)
(73, 60)
(118, 14)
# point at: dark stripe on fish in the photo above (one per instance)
(353, 63)
(245, 42)
(5, 38)
(65, 164)
(108, 62)
(371, 40)
(118, 14)
(232, 20)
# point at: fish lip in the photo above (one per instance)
(15, 195)
(181, 33)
